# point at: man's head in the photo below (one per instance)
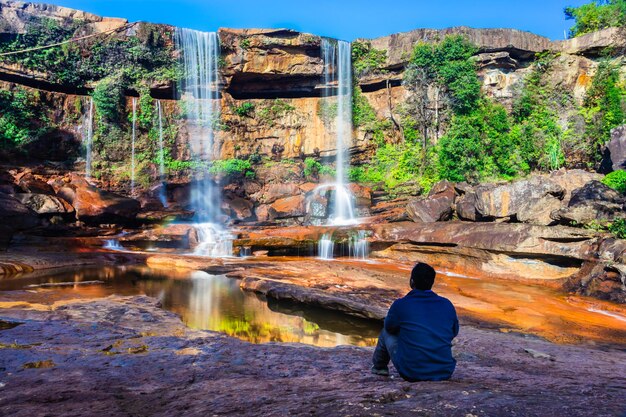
(422, 277)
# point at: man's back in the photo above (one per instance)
(425, 325)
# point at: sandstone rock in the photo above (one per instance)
(506, 200)
(14, 216)
(539, 211)
(45, 204)
(93, 205)
(434, 208)
(265, 213)
(289, 207)
(240, 208)
(466, 207)
(362, 195)
(594, 202)
(616, 148)
(571, 180)
(272, 192)
(181, 236)
(30, 184)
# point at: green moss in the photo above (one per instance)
(244, 109)
(273, 110)
(232, 166)
(616, 180)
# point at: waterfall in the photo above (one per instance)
(326, 247)
(338, 74)
(200, 93)
(132, 150)
(89, 142)
(358, 246)
(162, 189)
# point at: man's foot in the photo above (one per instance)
(383, 372)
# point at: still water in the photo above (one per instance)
(203, 301)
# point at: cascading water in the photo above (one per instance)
(326, 247)
(200, 89)
(358, 246)
(338, 74)
(89, 141)
(132, 150)
(162, 189)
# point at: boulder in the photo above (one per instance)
(275, 191)
(362, 195)
(572, 179)
(594, 202)
(539, 211)
(239, 208)
(45, 204)
(181, 236)
(507, 200)
(289, 207)
(14, 216)
(466, 207)
(265, 213)
(96, 206)
(616, 149)
(28, 183)
(434, 208)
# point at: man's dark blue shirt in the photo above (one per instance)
(425, 325)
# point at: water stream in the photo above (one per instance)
(201, 96)
(338, 75)
(203, 301)
(89, 139)
(162, 178)
(132, 151)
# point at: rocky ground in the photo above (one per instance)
(127, 357)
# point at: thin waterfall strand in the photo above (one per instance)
(89, 143)
(132, 151)
(162, 189)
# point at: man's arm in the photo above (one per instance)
(392, 321)
(455, 325)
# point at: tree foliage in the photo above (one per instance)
(599, 14)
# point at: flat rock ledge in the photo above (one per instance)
(124, 356)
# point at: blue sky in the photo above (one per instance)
(343, 19)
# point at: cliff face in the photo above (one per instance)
(279, 74)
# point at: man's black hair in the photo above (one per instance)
(422, 277)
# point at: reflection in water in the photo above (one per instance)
(203, 301)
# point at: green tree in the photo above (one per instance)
(596, 15)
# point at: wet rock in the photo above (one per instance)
(362, 195)
(505, 201)
(434, 208)
(616, 149)
(14, 216)
(45, 204)
(30, 184)
(265, 213)
(183, 236)
(594, 202)
(96, 206)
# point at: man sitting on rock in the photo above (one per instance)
(418, 332)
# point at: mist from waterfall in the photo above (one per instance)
(89, 139)
(201, 97)
(338, 92)
(132, 150)
(162, 179)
